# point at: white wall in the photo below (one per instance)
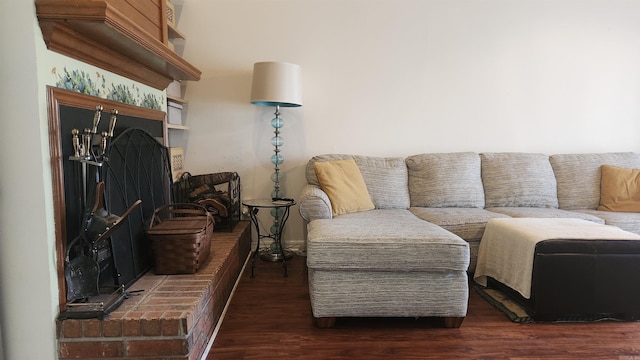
(28, 287)
(399, 77)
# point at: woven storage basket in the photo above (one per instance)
(180, 236)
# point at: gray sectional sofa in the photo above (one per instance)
(409, 255)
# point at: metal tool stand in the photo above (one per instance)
(90, 150)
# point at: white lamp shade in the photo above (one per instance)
(276, 83)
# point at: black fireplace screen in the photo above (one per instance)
(135, 167)
(138, 167)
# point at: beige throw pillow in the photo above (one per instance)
(343, 183)
(619, 189)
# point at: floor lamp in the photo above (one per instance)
(276, 84)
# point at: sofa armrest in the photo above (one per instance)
(314, 203)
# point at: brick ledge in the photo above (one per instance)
(173, 317)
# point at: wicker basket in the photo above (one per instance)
(180, 236)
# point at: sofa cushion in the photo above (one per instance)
(619, 189)
(385, 177)
(578, 176)
(624, 220)
(385, 240)
(343, 183)
(518, 179)
(531, 212)
(445, 180)
(468, 223)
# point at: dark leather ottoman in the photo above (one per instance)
(563, 268)
(583, 279)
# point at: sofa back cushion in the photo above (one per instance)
(518, 180)
(385, 177)
(445, 180)
(578, 176)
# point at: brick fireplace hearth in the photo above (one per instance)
(172, 318)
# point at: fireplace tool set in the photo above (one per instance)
(85, 296)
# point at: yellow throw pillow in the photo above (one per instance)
(343, 183)
(619, 189)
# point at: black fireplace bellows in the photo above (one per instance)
(219, 193)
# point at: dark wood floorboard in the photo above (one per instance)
(270, 318)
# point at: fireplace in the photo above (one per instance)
(161, 316)
(118, 160)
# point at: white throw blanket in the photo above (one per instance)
(508, 246)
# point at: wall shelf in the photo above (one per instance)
(177, 127)
(175, 92)
(179, 100)
(174, 33)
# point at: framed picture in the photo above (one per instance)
(176, 154)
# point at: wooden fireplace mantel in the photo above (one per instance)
(126, 37)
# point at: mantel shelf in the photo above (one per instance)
(95, 32)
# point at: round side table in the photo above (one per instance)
(279, 254)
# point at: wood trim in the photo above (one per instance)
(96, 32)
(68, 42)
(55, 98)
(57, 179)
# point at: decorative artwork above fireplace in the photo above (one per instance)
(101, 84)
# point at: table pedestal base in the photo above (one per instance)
(272, 256)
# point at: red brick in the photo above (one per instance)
(58, 329)
(72, 328)
(151, 327)
(168, 301)
(172, 327)
(157, 347)
(131, 327)
(191, 319)
(91, 349)
(92, 328)
(199, 344)
(112, 328)
(118, 314)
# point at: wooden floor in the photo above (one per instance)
(270, 318)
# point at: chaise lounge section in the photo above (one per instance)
(386, 263)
